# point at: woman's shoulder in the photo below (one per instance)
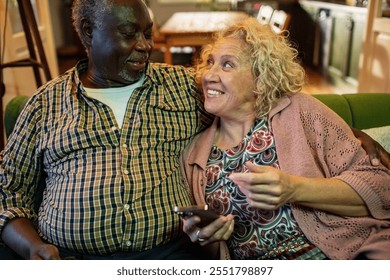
(295, 103)
(305, 99)
(199, 148)
(307, 103)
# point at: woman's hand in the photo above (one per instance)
(374, 150)
(269, 188)
(265, 187)
(218, 230)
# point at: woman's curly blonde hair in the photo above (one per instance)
(274, 62)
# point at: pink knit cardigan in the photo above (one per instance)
(313, 141)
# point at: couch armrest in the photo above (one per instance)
(12, 111)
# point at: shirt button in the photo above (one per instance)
(126, 206)
(128, 243)
(113, 128)
(126, 172)
(124, 146)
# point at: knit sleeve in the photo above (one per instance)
(341, 156)
(314, 142)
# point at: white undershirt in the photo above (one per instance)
(116, 98)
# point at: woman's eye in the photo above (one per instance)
(209, 63)
(227, 65)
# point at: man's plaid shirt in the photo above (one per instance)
(107, 189)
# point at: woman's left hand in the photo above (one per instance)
(266, 187)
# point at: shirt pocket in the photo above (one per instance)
(73, 135)
(175, 115)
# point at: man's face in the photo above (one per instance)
(120, 49)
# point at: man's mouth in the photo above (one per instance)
(137, 64)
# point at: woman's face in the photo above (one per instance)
(228, 81)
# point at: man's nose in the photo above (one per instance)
(143, 44)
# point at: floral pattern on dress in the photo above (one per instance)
(257, 233)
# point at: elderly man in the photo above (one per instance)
(107, 136)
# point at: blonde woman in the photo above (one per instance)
(285, 173)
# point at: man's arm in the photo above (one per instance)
(20, 235)
(374, 150)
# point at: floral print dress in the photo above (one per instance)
(258, 234)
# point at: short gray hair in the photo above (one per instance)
(90, 10)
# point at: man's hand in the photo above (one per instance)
(20, 235)
(45, 252)
(374, 150)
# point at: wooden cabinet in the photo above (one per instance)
(375, 67)
(357, 45)
(340, 43)
(338, 40)
(345, 45)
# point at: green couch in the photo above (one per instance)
(369, 112)
(12, 111)
(362, 110)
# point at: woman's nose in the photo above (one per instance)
(211, 75)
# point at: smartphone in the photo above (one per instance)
(206, 216)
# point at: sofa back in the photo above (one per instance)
(360, 110)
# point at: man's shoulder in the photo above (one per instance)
(172, 71)
(58, 86)
(59, 81)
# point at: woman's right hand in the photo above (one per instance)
(218, 230)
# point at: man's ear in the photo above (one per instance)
(86, 31)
